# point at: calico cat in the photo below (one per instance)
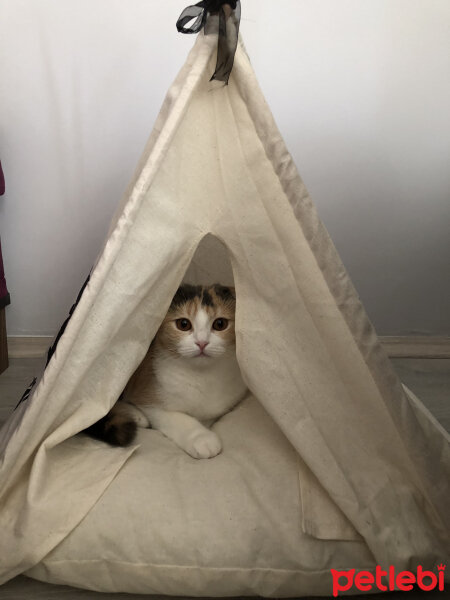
(189, 377)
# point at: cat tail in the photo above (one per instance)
(117, 428)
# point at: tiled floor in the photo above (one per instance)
(429, 379)
(15, 380)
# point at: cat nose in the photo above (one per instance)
(202, 345)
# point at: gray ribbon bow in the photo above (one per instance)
(228, 37)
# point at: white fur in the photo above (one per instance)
(203, 387)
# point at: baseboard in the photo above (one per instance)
(395, 346)
(28, 346)
(420, 346)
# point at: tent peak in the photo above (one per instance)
(229, 12)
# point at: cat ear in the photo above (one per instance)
(225, 292)
(185, 293)
(232, 291)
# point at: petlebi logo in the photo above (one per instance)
(389, 580)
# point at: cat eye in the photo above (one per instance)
(183, 324)
(220, 324)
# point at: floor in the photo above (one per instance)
(429, 379)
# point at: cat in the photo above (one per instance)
(188, 379)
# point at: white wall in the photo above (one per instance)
(359, 88)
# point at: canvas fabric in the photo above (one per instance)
(371, 464)
(214, 527)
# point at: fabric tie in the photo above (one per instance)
(229, 12)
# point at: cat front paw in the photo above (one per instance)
(204, 444)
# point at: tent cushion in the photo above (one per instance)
(232, 525)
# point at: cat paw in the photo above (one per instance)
(205, 444)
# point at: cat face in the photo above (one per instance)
(200, 323)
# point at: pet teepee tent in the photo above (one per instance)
(329, 463)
